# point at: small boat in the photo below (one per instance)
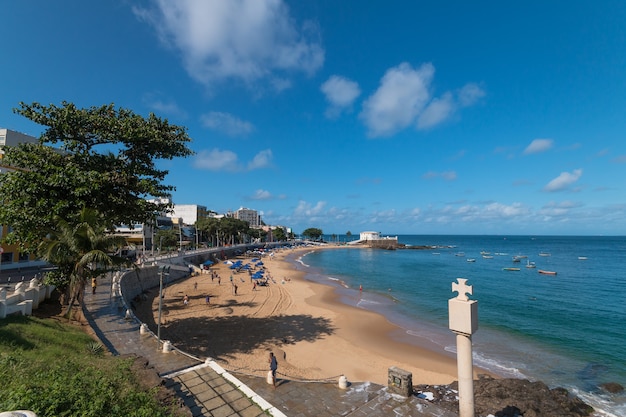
(544, 272)
(487, 257)
(582, 258)
(544, 254)
(459, 254)
(485, 253)
(471, 260)
(510, 269)
(516, 259)
(530, 265)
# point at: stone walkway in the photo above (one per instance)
(208, 390)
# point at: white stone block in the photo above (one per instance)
(463, 315)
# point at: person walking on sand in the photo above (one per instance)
(208, 299)
(273, 367)
(186, 300)
(94, 284)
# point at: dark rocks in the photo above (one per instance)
(612, 387)
(511, 398)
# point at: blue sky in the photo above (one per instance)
(404, 117)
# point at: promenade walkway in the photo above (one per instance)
(209, 391)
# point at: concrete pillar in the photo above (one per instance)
(465, 369)
(167, 346)
(463, 321)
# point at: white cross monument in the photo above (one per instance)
(463, 314)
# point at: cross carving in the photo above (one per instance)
(462, 288)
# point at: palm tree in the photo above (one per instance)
(81, 251)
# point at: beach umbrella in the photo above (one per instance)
(228, 262)
(208, 263)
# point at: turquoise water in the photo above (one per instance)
(567, 330)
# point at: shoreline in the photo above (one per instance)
(314, 334)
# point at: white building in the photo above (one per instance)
(248, 215)
(369, 236)
(190, 213)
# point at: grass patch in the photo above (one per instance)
(56, 369)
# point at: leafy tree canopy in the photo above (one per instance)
(313, 233)
(228, 228)
(98, 157)
(279, 234)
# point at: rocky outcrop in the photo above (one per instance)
(511, 398)
(612, 387)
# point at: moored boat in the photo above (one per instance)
(510, 269)
(544, 272)
(530, 265)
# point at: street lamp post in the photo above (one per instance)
(160, 244)
(163, 270)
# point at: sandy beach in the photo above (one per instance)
(313, 335)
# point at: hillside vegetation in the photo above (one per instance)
(56, 369)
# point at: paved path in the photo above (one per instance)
(210, 391)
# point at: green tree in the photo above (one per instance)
(167, 238)
(259, 234)
(81, 251)
(210, 227)
(312, 233)
(279, 234)
(98, 157)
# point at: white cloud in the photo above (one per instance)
(402, 95)
(404, 98)
(162, 105)
(217, 160)
(469, 94)
(261, 195)
(226, 123)
(446, 175)
(306, 210)
(437, 111)
(245, 40)
(563, 181)
(538, 146)
(340, 92)
(223, 160)
(262, 159)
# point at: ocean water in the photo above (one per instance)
(567, 330)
